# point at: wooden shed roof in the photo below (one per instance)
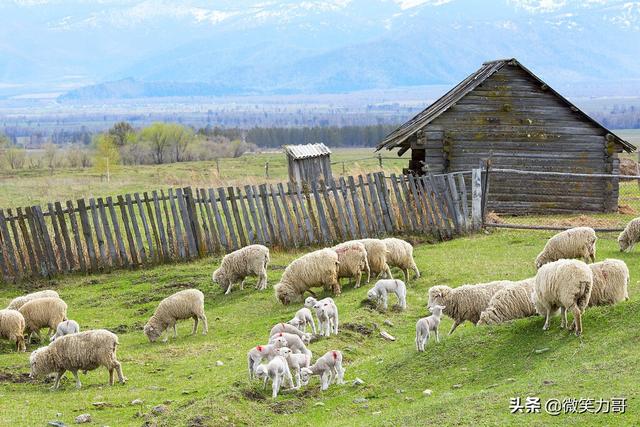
(399, 136)
(306, 151)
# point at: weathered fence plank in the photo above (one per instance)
(476, 198)
(136, 229)
(375, 202)
(286, 238)
(456, 203)
(305, 213)
(358, 207)
(372, 225)
(268, 214)
(16, 241)
(403, 221)
(28, 241)
(5, 237)
(176, 229)
(385, 206)
(332, 219)
(192, 223)
(88, 237)
(115, 260)
(227, 217)
(148, 202)
(347, 208)
(145, 226)
(342, 222)
(251, 235)
(420, 210)
(122, 251)
(287, 215)
(256, 216)
(166, 254)
(315, 224)
(233, 199)
(98, 230)
(463, 195)
(213, 233)
(323, 224)
(133, 252)
(299, 220)
(64, 264)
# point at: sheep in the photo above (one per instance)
(276, 370)
(12, 326)
(426, 325)
(510, 303)
(565, 284)
(43, 312)
(285, 327)
(466, 302)
(578, 242)
(65, 328)
(295, 361)
(302, 318)
(610, 281)
(327, 314)
(18, 302)
(377, 253)
(328, 367)
(259, 352)
(629, 236)
(84, 351)
(352, 256)
(294, 342)
(251, 260)
(185, 304)
(318, 268)
(311, 302)
(378, 293)
(400, 254)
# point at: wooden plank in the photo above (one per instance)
(297, 213)
(88, 237)
(29, 242)
(145, 226)
(196, 231)
(418, 204)
(213, 233)
(113, 254)
(440, 204)
(251, 234)
(166, 254)
(171, 239)
(251, 202)
(47, 243)
(206, 231)
(404, 223)
(64, 264)
(148, 202)
(7, 244)
(447, 197)
(16, 241)
(37, 242)
(227, 216)
(325, 232)
(136, 229)
(315, 225)
(476, 203)
(332, 218)
(357, 207)
(463, 195)
(308, 226)
(274, 237)
(353, 231)
(455, 196)
(372, 224)
(286, 238)
(342, 220)
(77, 236)
(64, 230)
(411, 211)
(104, 261)
(288, 216)
(435, 221)
(122, 251)
(233, 199)
(133, 252)
(191, 246)
(177, 230)
(385, 205)
(222, 233)
(375, 202)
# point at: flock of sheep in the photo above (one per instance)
(562, 284)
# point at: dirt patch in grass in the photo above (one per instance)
(287, 406)
(19, 378)
(199, 421)
(179, 285)
(583, 221)
(626, 210)
(361, 328)
(123, 329)
(252, 394)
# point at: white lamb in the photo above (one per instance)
(65, 328)
(181, 305)
(426, 325)
(578, 242)
(352, 256)
(246, 262)
(629, 236)
(377, 253)
(296, 361)
(327, 314)
(328, 367)
(318, 268)
(382, 288)
(294, 342)
(18, 302)
(302, 318)
(285, 327)
(277, 370)
(400, 255)
(259, 352)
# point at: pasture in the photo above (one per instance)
(472, 374)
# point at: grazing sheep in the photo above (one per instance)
(12, 328)
(294, 342)
(277, 370)
(377, 253)
(510, 303)
(18, 302)
(285, 327)
(565, 284)
(610, 281)
(302, 318)
(84, 351)
(259, 352)
(466, 302)
(629, 236)
(43, 312)
(426, 325)
(317, 268)
(352, 256)
(400, 254)
(65, 328)
(578, 242)
(295, 361)
(179, 306)
(251, 260)
(328, 367)
(378, 293)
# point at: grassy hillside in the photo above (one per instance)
(472, 374)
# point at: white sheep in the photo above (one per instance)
(428, 324)
(382, 288)
(510, 303)
(566, 285)
(400, 255)
(578, 242)
(317, 268)
(259, 352)
(352, 256)
(12, 326)
(18, 302)
(629, 236)
(327, 314)
(466, 302)
(311, 302)
(610, 282)
(84, 351)
(246, 262)
(277, 370)
(65, 328)
(43, 312)
(377, 253)
(294, 342)
(286, 327)
(328, 367)
(301, 319)
(185, 304)
(296, 361)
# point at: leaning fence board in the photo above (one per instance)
(115, 260)
(176, 230)
(251, 235)
(300, 227)
(37, 242)
(148, 202)
(64, 264)
(8, 246)
(98, 230)
(441, 203)
(286, 238)
(456, 202)
(418, 204)
(145, 226)
(125, 221)
(476, 197)
(322, 217)
(227, 217)
(64, 230)
(431, 216)
(409, 205)
(463, 195)
(375, 202)
(233, 200)
(357, 207)
(332, 222)
(28, 241)
(372, 227)
(47, 244)
(222, 233)
(274, 237)
(403, 221)
(287, 215)
(193, 222)
(340, 211)
(305, 214)
(16, 240)
(167, 221)
(256, 216)
(213, 233)
(315, 224)
(192, 249)
(206, 232)
(261, 215)
(385, 206)
(136, 229)
(122, 251)
(86, 232)
(447, 198)
(439, 220)
(347, 208)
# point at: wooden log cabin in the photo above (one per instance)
(506, 113)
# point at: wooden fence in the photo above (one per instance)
(181, 224)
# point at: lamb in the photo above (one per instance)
(276, 370)
(578, 242)
(318, 268)
(311, 302)
(302, 318)
(400, 254)
(352, 256)
(610, 281)
(377, 253)
(327, 314)
(295, 361)
(294, 343)
(185, 304)
(18, 302)
(259, 352)
(466, 302)
(565, 284)
(429, 324)
(43, 312)
(383, 287)
(65, 328)
(328, 367)
(251, 260)
(12, 328)
(512, 302)
(285, 327)
(84, 351)
(629, 236)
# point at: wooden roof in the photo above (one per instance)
(306, 151)
(400, 136)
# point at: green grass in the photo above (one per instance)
(491, 364)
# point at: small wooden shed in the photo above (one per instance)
(505, 112)
(308, 162)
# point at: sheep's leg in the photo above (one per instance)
(250, 367)
(265, 382)
(323, 381)
(290, 379)
(358, 278)
(547, 320)
(110, 376)
(205, 325)
(405, 272)
(418, 340)
(335, 324)
(387, 271)
(118, 367)
(228, 291)
(454, 326)
(275, 386)
(414, 267)
(262, 281)
(313, 326)
(368, 270)
(79, 384)
(563, 317)
(577, 318)
(195, 324)
(242, 284)
(56, 383)
(437, 337)
(175, 330)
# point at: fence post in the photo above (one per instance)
(476, 198)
